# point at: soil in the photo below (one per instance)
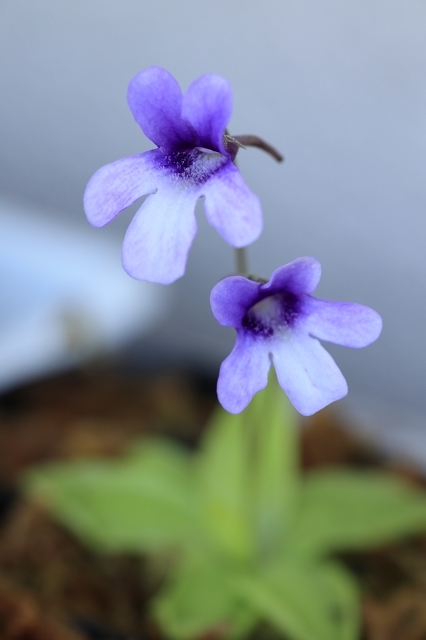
(53, 588)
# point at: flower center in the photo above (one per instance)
(195, 166)
(276, 313)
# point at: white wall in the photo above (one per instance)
(338, 86)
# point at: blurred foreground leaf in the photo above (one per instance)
(307, 602)
(199, 597)
(272, 420)
(138, 504)
(347, 509)
(222, 473)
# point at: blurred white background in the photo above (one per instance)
(338, 87)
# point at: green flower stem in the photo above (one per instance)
(241, 261)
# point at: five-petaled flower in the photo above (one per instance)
(193, 159)
(280, 321)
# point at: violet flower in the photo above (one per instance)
(194, 158)
(281, 322)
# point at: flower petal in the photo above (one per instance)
(231, 208)
(300, 276)
(158, 239)
(155, 100)
(243, 373)
(346, 323)
(230, 298)
(207, 104)
(117, 185)
(307, 373)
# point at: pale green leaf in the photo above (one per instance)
(222, 471)
(345, 600)
(199, 598)
(305, 602)
(345, 509)
(140, 503)
(272, 423)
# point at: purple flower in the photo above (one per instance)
(281, 322)
(194, 158)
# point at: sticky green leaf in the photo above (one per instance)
(222, 477)
(344, 598)
(199, 598)
(140, 503)
(305, 602)
(271, 420)
(345, 509)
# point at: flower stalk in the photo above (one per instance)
(241, 261)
